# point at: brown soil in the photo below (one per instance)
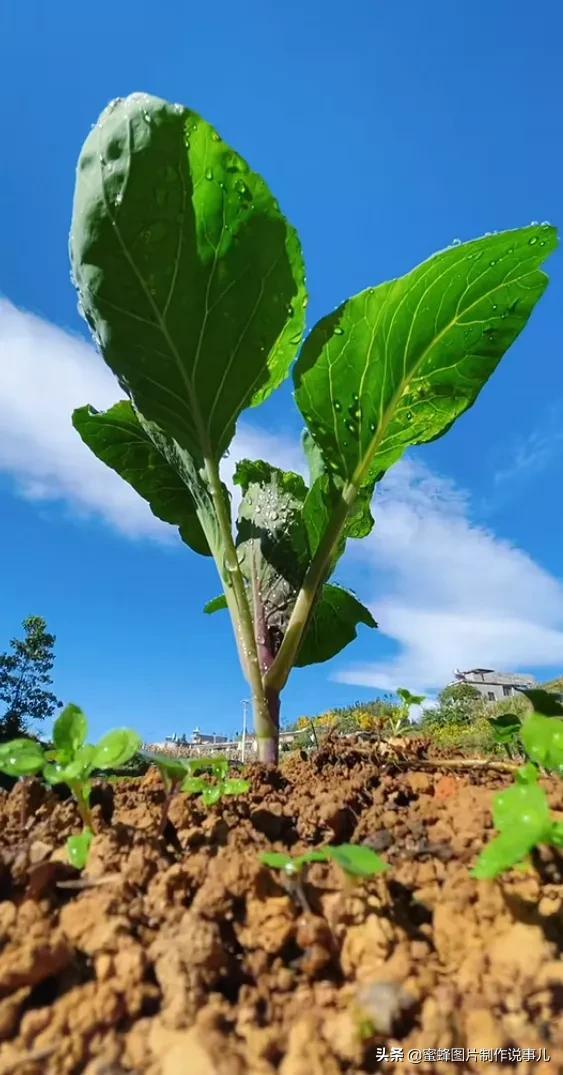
(181, 954)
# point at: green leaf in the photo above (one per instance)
(70, 730)
(522, 807)
(505, 728)
(21, 757)
(74, 771)
(333, 625)
(320, 855)
(193, 785)
(235, 787)
(216, 605)
(211, 795)
(542, 738)
(189, 276)
(272, 543)
(527, 774)
(276, 860)
(408, 698)
(544, 702)
(357, 860)
(172, 768)
(395, 366)
(78, 848)
(556, 834)
(117, 437)
(116, 748)
(502, 853)
(217, 766)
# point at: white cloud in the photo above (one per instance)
(449, 593)
(45, 372)
(446, 592)
(533, 454)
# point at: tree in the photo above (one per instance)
(25, 678)
(458, 703)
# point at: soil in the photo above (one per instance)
(179, 953)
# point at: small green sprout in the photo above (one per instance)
(401, 721)
(521, 814)
(71, 761)
(188, 774)
(354, 859)
(218, 787)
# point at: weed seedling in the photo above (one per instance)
(71, 761)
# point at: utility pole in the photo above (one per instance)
(245, 705)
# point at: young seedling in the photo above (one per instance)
(193, 284)
(356, 862)
(521, 814)
(217, 785)
(71, 761)
(506, 731)
(172, 772)
(401, 721)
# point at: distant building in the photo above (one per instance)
(493, 686)
(203, 737)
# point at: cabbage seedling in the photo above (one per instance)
(71, 761)
(193, 284)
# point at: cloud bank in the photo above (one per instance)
(445, 591)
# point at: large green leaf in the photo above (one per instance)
(397, 364)
(117, 437)
(333, 625)
(189, 275)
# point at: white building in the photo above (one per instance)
(493, 686)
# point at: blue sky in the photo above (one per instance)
(385, 131)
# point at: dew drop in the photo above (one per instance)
(290, 310)
(338, 331)
(305, 302)
(409, 416)
(208, 174)
(533, 240)
(456, 242)
(493, 261)
(337, 405)
(534, 223)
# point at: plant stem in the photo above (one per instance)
(82, 804)
(316, 573)
(265, 727)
